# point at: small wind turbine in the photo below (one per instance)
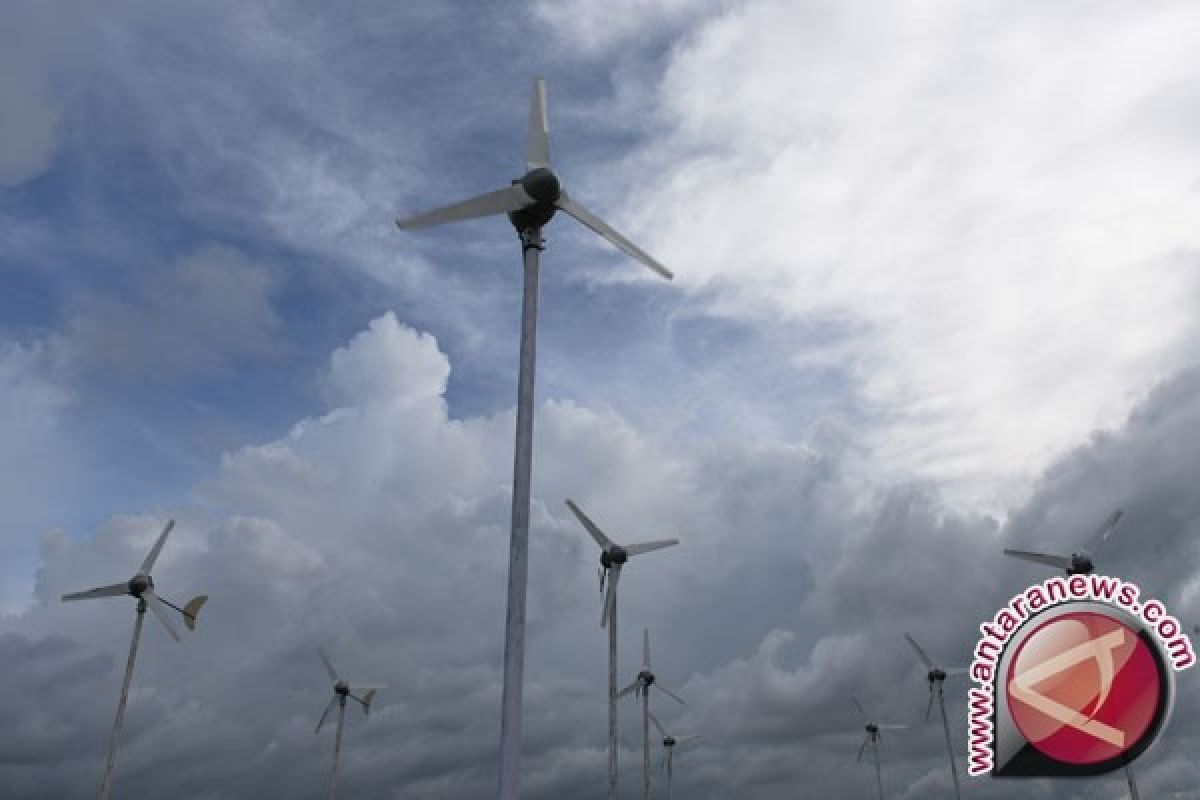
(342, 690)
(612, 558)
(1079, 563)
(937, 677)
(873, 729)
(530, 202)
(669, 744)
(641, 687)
(141, 586)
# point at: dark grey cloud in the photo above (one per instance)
(795, 581)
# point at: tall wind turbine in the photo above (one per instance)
(937, 678)
(1078, 563)
(873, 730)
(341, 690)
(530, 202)
(670, 742)
(641, 687)
(141, 586)
(612, 558)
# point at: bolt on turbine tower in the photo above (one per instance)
(141, 586)
(530, 202)
(612, 558)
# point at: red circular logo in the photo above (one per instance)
(1083, 688)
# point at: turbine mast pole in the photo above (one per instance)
(612, 700)
(518, 562)
(337, 746)
(949, 747)
(670, 753)
(1133, 792)
(646, 737)
(878, 770)
(106, 784)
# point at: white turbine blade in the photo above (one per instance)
(161, 611)
(325, 714)
(606, 231)
(957, 670)
(512, 198)
(921, 654)
(858, 705)
(862, 747)
(1105, 531)
(116, 590)
(591, 527)
(610, 596)
(630, 688)
(1062, 562)
(364, 686)
(657, 725)
(148, 564)
(333, 676)
(648, 547)
(891, 727)
(690, 738)
(669, 693)
(537, 140)
(646, 648)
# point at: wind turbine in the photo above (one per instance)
(669, 743)
(641, 687)
(1079, 563)
(937, 677)
(342, 690)
(530, 202)
(873, 729)
(141, 586)
(612, 558)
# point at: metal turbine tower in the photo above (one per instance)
(612, 558)
(141, 586)
(530, 202)
(641, 686)
(937, 679)
(342, 690)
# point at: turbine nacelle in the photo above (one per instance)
(140, 583)
(612, 556)
(1081, 564)
(341, 688)
(936, 675)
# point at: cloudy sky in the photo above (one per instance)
(937, 269)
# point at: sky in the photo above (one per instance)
(937, 272)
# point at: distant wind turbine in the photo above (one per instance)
(670, 742)
(341, 690)
(641, 687)
(1078, 563)
(141, 586)
(873, 730)
(612, 558)
(937, 678)
(530, 202)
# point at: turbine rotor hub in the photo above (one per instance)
(613, 556)
(669, 741)
(936, 675)
(542, 185)
(342, 688)
(646, 677)
(139, 584)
